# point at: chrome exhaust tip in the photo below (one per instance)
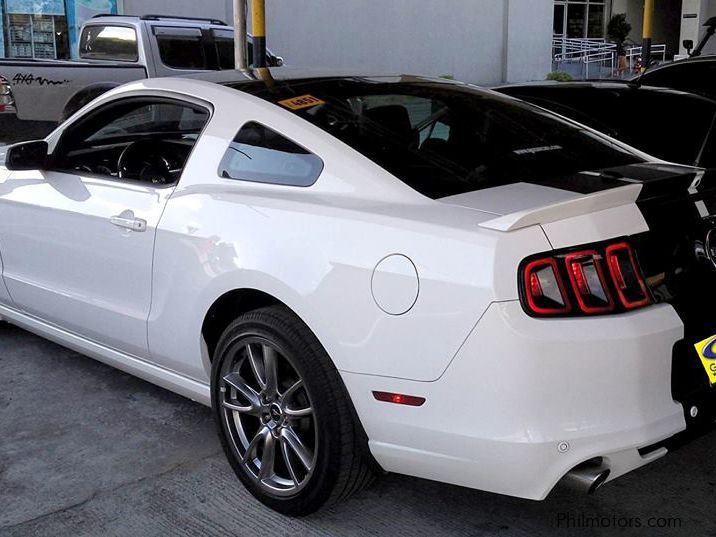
(586, 477)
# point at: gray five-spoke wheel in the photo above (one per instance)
(269, 416)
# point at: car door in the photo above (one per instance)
(78, 238)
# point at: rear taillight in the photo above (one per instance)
(7, 102)
(544, 288)
(590, 281)
(628, 281)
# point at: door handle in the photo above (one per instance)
(135, 224)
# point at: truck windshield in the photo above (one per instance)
(444, 139)
(102, 42)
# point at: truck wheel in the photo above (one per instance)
(81, 99)
(284, 417)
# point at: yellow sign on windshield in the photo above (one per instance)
(304, 101)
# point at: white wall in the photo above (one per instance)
(220, 9)
(482, 41)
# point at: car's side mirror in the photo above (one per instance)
(277, 61)
(688, 45)
(27, 156)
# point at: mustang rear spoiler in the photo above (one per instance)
(589, 203)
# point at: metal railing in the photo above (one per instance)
(597, 53)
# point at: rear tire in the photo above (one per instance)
(285, 420)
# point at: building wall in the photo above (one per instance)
(694, 14)
(220, 9)
(666, 21)
(487, 42)
(674, 21)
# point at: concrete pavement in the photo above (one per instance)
(86, 450)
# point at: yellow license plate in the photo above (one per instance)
(706, 350)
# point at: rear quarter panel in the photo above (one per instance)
(315, 250)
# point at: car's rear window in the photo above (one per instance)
(444, 139)
(118, 43)
(676, 128)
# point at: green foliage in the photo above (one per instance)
(559, 76)
(618, 28)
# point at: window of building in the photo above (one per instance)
(580, 18)
(261, 155)
(36, 30)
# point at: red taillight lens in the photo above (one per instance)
(628, 281)
(544, 288)
(588, 283)
(591, 275)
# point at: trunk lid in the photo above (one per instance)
(518, 205)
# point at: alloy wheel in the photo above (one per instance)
(269, 417)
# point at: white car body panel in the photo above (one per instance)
(51, 227)
(503, 390)
(498, 416)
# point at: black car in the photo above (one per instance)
(668, 124)
(696, 74)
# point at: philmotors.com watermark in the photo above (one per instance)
(585, 521)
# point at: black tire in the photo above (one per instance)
(81, 99)
(342, 462)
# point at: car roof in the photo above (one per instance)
(609, 85)
(288, 79)
(163, 20)
(708, 58)
(287, 74)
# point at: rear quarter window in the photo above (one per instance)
(261, 155)
(117, 43)
(181, 48)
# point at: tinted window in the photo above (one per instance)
(674, 128)
(444, 139)
(117, 43)
(225, 50)
(181, 48)
(148, 119)
(695, 77)
(262, 155)
(134, 139)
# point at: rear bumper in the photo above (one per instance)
(526, 400)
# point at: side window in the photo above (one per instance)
(261, 155)
(224, 42)
(435, 130)
(117, 43)
(181, 48)
(137, 139)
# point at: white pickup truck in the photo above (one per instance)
(115, 49)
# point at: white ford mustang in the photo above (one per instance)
(366, 274)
